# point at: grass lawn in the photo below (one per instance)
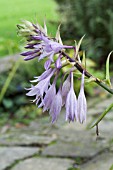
(11, 13)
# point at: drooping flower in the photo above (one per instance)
(33, 91)
(56, 106)
(65, 89)
(71, 103)
(42, 86)
(49, 97)
(82, 104)
(44, 75)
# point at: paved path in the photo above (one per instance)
(7, 62)
(63, 146)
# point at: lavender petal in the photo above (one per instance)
(58, 63)
(82, 104)
(65, 89)
(71, 102)
(47, 64)
(49, 97)
(56, 106)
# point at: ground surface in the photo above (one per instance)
(63, 146)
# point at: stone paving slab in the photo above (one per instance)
(62, 141)
(7, 62)
(99, 107)
(95, 111)
(73, 143)
(100, 162)
(86, 137)
(8, 155)
(104, 103)
(22, 139)
(73, 150)
(105, 127)
(44, 164)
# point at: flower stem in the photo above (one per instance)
(87, 74)
(97, 80)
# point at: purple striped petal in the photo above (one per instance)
(56, 106)
(49, 97)
(43, 84)
(82, 104)
(71, 103)
(36, 37)
(31, 57)
(47, 64)
(33, 91)
(29, 53)
(30, 46)
(65, 89)
(45, 74)
(71, 106)
(43, 55)
(58, 63)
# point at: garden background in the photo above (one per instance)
(94, 19)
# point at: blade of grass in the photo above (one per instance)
(8, 80)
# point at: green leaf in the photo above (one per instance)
(78, 45)
(107, 70)
(111, 168)
(58, 38)
(45, 27)
(102, 115)
(84, 59)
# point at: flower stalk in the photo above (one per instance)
(53, 52)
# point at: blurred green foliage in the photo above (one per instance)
(9, 46)
(94, 18)
(15, 105)
(13, 11)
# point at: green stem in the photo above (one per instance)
(8, 80)
(97, 80)
(87, 74)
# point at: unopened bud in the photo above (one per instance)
(28, 24)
